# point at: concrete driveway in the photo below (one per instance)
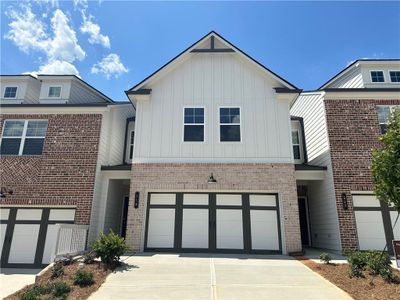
(12, 280)
(196, 276)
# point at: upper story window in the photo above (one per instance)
(296, 145)
(54, 92)
(193, 124)
(377, 76)
(131, 141)
(394, 76)
(383, 116)
(229, 124)
(23, 137)
(10, 92)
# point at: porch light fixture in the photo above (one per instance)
(4, 191)
(136, 203)
(211, 179)
(344, 201)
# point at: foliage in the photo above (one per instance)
(57, 270)
(83, 278)
(358, 262)
(389, 276)
(378, 262)
(325, 257)
(110, 247)
(31, 294)
(89, 257)
(60, 289)
(386, 164)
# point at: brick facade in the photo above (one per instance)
(65, 172)
(230, 177)
(353, 131)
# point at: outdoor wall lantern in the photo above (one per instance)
(344, 201)
(136, 204)
(211, 179)
(4, 191)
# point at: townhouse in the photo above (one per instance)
(57, 131)
(343, 120)
(213, 153)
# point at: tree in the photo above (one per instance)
(386, 164)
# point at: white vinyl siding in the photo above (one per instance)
(321, 195)
(213, 81)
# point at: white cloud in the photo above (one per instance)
(59, 43)
(109, 66)
(93, 29)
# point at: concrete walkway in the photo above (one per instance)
(12, 280)
(196, 276)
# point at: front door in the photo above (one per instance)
(305, 240)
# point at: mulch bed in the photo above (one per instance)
(99, 275)
(358, 288)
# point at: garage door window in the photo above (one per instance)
(23, 137)
(193, 124)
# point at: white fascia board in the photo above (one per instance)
(362, 95)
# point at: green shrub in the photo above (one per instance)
(60, 289)
(89, 257)
(325, 257)
(83, 278)
(377, 262)
(31, 294)
(358, 262)
(110, 247)
(57, 270)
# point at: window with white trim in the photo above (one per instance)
(10, 92)
(229, 124)
(131, 141)
(54, 92)
(296, 145)
(394, 76)
(193, 124)
(383, 116)
(377, 76)
(23, 137)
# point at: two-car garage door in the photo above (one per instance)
(213, 222)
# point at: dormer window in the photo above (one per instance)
(394, 76)
(10, 92)
(54, 92)
(377, 76)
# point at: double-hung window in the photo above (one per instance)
(394, 76)
(296, 144)
(10, 92)
(383, 116)
(229, 124)
(54, 92)
(193, 124)
(131, 141)
(23, 137)
(377, 76)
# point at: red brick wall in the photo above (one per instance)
(64, 174)
(353, 130)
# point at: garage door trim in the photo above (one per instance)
(212, 208)
(43, 222)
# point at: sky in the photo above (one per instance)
(115, 44)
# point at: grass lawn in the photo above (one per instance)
(358, 288)
(99, 275)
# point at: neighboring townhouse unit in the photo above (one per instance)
(56, 132)
(213, 167)
(343, 120)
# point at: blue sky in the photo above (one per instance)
(115, 44)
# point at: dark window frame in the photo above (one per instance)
(54, 87)
(394, 74)
(195, 123)
(6, 94)
(376, 76)
(229, 123)
(298, 145)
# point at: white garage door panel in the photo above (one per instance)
(29, 214)
(229, 229)
(169, 199)
(365, 201)
(264, 230)
(229, 200)
(195, 228)
(161, 228)
(195, 199)
(24, 242)
(62, 214)
(396, 230)
(3, 228)
(370, 230)
(262, 200)
(50, 243)
(4, 212)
